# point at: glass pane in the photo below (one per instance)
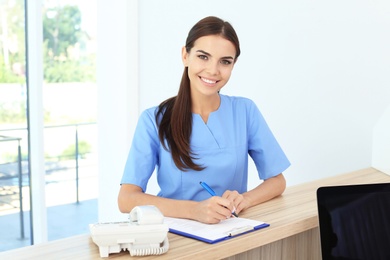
(70, 104)
(14, 182)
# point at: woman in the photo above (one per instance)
(201, 135)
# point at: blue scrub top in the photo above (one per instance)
(222, 145)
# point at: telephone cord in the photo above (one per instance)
(150, 251)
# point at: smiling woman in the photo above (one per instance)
(210, 64)
(202, 135)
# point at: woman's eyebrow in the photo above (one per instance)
(205, 53)
(208, 54)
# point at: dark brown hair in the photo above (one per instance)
(175, 125)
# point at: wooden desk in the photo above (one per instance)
(293, 231)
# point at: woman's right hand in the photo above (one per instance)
(213, 210)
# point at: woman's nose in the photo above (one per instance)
(213, 68)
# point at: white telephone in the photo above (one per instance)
(144, 234)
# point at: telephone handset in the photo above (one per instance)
(146, 215)
(144, 234)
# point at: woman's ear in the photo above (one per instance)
(184, 56)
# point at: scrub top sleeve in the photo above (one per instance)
(263, 147)
(143, 155)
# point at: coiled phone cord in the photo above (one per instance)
(150, 251)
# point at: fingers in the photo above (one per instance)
(237, 199)
(214, 210)
(222, 207)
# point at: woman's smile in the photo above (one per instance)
(208, 81)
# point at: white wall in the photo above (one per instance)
(318, 70)
(117, 80)
(381, 143)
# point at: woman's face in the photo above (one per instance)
(210, 63)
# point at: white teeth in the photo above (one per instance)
(209, 81)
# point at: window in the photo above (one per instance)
(69, 102)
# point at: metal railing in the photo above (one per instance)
(4, 138)
(77, 153)
(20, 177)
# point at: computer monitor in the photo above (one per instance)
(354, 221)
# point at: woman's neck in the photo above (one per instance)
(205, 105)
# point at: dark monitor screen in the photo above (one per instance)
(354, 221)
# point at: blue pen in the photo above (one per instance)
(207, 187)
(212, 193)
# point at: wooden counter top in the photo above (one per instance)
(292, 213)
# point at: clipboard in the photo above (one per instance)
(213, 233)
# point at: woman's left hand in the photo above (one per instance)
(239, 201)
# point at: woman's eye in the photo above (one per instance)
(203, 57)
(226, 62)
